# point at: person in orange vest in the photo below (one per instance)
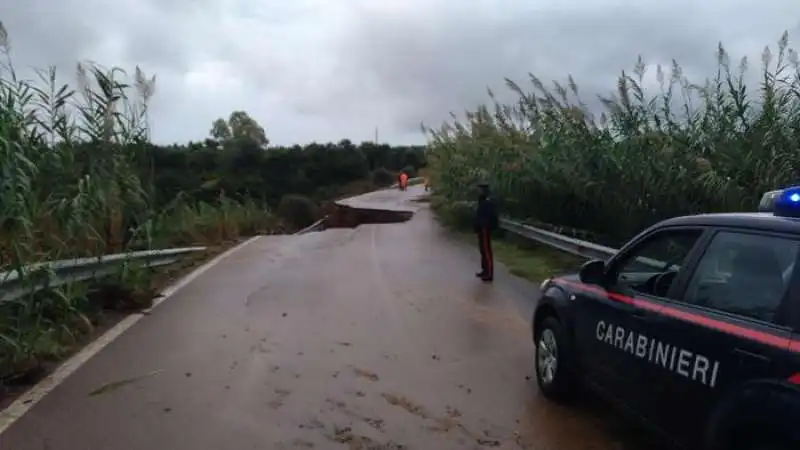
(427, 184)
(403, 181)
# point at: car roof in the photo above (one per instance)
(755, 221)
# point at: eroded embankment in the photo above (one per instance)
(343, 216)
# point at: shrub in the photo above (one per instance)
(411, 171)
(454, 214)
(298, 211)
(382, 177)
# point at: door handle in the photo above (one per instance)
(745, 354)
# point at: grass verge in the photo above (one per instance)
(525, 259)
(534, 262)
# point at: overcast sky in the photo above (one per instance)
(330, 69)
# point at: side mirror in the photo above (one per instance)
(592, 272)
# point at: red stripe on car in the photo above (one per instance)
(725, 327)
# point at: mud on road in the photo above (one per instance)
(375, 337)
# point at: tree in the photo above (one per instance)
(239, 128)
(220, 130)
(245, 129)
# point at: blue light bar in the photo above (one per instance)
(767, 202)
(783, 202)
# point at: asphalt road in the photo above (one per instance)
(377, 337)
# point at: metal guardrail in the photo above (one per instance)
(577, 247)
(316, 226)
(37, 276)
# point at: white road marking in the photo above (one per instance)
(26, 401)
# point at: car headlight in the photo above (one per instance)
(544, 284)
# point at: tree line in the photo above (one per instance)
(241, 164)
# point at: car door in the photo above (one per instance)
(614, 320)
(726, 327)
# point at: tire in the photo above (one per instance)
(554, 361)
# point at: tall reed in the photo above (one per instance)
(69, 187)
(692, 148)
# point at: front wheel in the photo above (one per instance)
(554, 371)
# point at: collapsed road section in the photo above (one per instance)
(382, 206)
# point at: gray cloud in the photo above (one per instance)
(324, 70)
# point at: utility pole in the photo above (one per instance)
(376, 135)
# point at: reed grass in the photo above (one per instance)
(69, 187)
(690, 148)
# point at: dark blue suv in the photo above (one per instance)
(693, 326)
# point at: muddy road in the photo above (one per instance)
(377, 337)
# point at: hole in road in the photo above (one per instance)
(341, 216)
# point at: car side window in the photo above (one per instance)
(744, 274)
(652, 265)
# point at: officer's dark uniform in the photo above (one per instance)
(486, 221)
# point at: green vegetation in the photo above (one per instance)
(533, 262)
(79, 177)
(693, 148)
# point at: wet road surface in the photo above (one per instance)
(377, 337)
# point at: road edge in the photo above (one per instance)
(28, 400)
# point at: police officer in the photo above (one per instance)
(486, 221)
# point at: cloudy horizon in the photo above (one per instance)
(316, 70)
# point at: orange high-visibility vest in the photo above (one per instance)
(403, 179)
